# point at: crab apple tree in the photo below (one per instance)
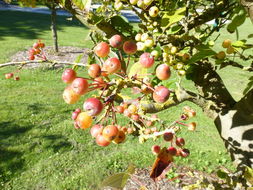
(172, 38)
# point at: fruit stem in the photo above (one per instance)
(178, 122)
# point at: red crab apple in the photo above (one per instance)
(129, 47)
(93, 106)
(120, 109)
(84, 121)
(184, 152)
(36, 45)
(172, 150)
(155, 149)
(95, 130)
(102, 49)
(101, 141)
(146, 60)
(79, 86)
(180, 142)
(74, 115)
(16, 78)
(69, 96)
(116, 41)
(8, 75)
(163, 72)
(94, 71)
(168, 136)
(112, 65)
(161, 94)
(110, 132)
(68, 76)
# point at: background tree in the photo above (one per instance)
(182, 24)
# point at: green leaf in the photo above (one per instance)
(174, 29)
(204, 52)
(121, 23)
(78, 58)
(116, 181)
(240, 43)
(237, 21)
(170, 18)
(130, 169)
(82, 4)
(222, 174)
(249, 86)
(138, 70)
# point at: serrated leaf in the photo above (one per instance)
(204, 52)
(138, 70)
(170, 18)
(116, 181)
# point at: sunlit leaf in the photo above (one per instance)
(170, 18)
(117, 181)
(138, 70)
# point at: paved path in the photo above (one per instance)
(130, 15)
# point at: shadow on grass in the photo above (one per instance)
(57, 143)
(29, 25)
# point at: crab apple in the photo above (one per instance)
(116, 41)
(155, 149)
(180, 142)
(230, 50)
(80, 86)
(184, 117)
(42, 45)
(132, 108)
(172, 151)
(144, 37)
(161, 94)
(127, 113)
(8, 75)
(31, 57)
(95, 130)
(129, 47)
(135, 117)
(184, 152)
(36, 45)
(69, 96)
(130, 130)
(163, 72)
(120, 109)
(147, 88)
(138, 37)
(185, 57)
(94, 70)
(146, 60)
(102, 49)
(74, 115)
(16, 78)
(120, 137)
(68, 76)
(173, 50)
(149, 42)
(133, 2)
(110, 132)
(84, 120)
(221, 55)
(181, 72)
(192, 126)
(147, 131)
(155, 53)
(78, 110)
(93, 106)
(112, 65)
(154, 129)
(141, 46)
(226, 43)
(101, 141)
(147, 2)
(168, 136)
(153, 11)
(118, 6)
(140, 4)
(149, 123)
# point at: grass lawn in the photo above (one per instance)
(39, 147)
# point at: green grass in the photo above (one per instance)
(39, 147)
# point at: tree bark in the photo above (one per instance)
(53, 28)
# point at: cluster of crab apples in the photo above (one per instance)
(11, 76)
(37, 50)
(227, 44)
(99, 78)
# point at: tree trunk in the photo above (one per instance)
(53, 28)
(236, 128)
